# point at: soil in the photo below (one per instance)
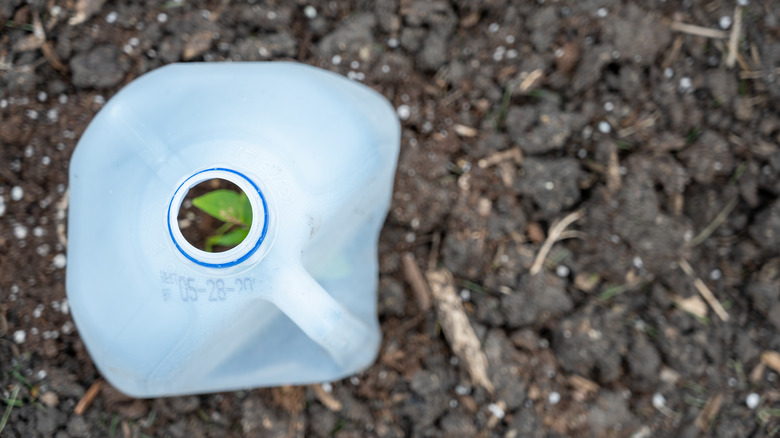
(515, 115)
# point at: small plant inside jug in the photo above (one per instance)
(215, 215)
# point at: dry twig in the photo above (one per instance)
(705, 32)
(327, 399)
(709, 412)
(556, 233)
(415, 279)
(514, 154)
(771, 359)
(456, 327)
(736, 32)
(89, 396)
(712, 226)
(704, 290)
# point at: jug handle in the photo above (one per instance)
(350, 342)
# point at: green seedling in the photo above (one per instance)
(233, 209)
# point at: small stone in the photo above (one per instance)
(403, 112)
(20, 336)
(59, 261)
(554, 398)
(659, 401)
(496, 410)
(310, 12)
(752, 400)
(49, 399)
(111, 17)
(17, 193)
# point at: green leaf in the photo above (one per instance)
(245, 212)
(232, 238)
(225, 205)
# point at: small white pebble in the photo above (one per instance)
(336, 60)
(496, 410)
(52, 115)
(20, 336)
(685, 84)
(42, 96)
(38, 311)
(29, 151)
(404, 112)
(743, 2)
(392, 43)
(59, 261)
(549, 185)
(162, 17)
(604, 127)
(354, 65)
(668, 73)
(310, 12)
(465, 294)
(385, 69)
(562, 271)
(327, 387)
(128, 49)
(554, 398)
(271, 15)
(62, 99)
(752, 400)
(724, 22)
(45, 160)
(462, 390)
(354, 380)
(32, 114)
(111, 17)
(609, 106)
(205, 13)
(20, 231)
(2, 206)
(716, 274)
(453, 403)
(638, 263)
(602, 12)
(732, 382)
(510, 39)
(41, 374)
(134, 41)
(511, 53)
(68, 327)
(65, 307)
(4, 103)
(493, 27)
(659, 401)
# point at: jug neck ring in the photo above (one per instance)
(258, 231)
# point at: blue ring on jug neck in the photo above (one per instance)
(249, 253)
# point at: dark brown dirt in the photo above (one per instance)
(643, 127)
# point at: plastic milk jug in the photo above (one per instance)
(295, 301)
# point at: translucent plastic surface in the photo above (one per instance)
(295, 302)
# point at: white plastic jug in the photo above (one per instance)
(295, 301)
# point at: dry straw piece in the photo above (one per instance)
(456, 327)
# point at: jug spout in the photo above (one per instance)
(349, 341)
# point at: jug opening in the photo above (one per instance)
(236, 204)
(215, 215)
